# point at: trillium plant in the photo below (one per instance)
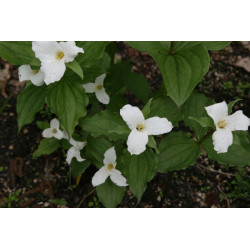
(99, 114)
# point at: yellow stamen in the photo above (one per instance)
(99, 86)
(59, 55)
(110, 167)
(140, 127)
(222, 124)
(35, 71)
(54, 130)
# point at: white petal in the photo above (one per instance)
(222, 140)
(65, 135)
(238, 121)
(100, 79)
(89, 87)
(46, 51)
(53, 71)
(70, 50)
(54, 123)
(110, 156)
(70, 155)
(100, 176)
(25, 73)
(137, 142)
(78, 156)
(158, 126)
(38, 78)
(132, 116)
(102, 96)
(48, 133)
(117, 178)
(218, 111)
(77, 144)
(59, 134)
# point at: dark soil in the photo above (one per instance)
(44, 182)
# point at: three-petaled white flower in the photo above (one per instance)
(109, 170)
(53, 56)
(75, 151)
(98, 89)
(225, 124)
(27, 74)
(141, 128)
(54, 130)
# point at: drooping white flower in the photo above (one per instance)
(75, 151)
(27, 74)
(54, 130)
(53, 56)
(141, 128)
(98, 89)
(225, 124)
(109, 170)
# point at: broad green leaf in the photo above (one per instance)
(237, 155)
(152, 144)
(30, 100)
(18, 53)
(177, 151)
(76, 68)
(105, 123)
(216, 45)
(204, 121)
(139, 170)
(146, 109)
(109, 194)
(67, 99)
(195, 107)
(78, 168)
(42, 125)
(231, 104)
(116, 103)
(47, 146)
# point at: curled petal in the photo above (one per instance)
(118, 179)
(38, 78)
(137, 142)
(77, 144)
(54, 123)
(222, 140)
(100, 79)
(25, 73)
(132, 116)
(70, 50)
(158, 126)
(218, 111)
(102, 96)
(238, 121)
(89, 87)
(110, 156)
(48, 133)
(70, 155)
(100, 176)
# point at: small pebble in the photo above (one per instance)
(25, 131)
(11, 147)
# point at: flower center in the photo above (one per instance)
(99, 86)
(140, 127)
(54, 130)
(222, 124)
(110, 167)
(59, 55)
(35, 71)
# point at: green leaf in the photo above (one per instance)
(177, 151)
(68, 100)
(30, 100)
(116, 103)
(231, 104)
(78, 168)
(46, 147)
(152, 144)
(237, 155)
(139, 170)
(76, 68)
(58, 201)
(216, 45)
(42, 125)
(105, 123)
(204, 121)
(195, 107)
(109, 194)
(146, 109)
(18, 53)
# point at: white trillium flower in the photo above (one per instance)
(27, 74)
(98, 89)
(53, 56)
(109, 170)
(225, 124)
(75, 151)
(54, 130)
(141, 128)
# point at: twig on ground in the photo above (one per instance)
(85, 197)
(218, 172)
(220, 190)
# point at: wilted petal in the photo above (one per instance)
(54, 123)
(102, 96)
(48, 133)
(222, 140)
(238, 121)
(89, 87)
(100, 79)
(77, 144)
(25, 73)
(137, 142)
(78, 156)
(100, 176)
(70, 155)
(38, 78)
(110, 156)
(70, 50)
(118, 179)
(217, 111)
(132, 116)
(158, 126)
